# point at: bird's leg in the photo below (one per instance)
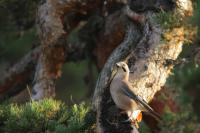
(136, 117)
(135, 123)
(128, 120)
(129, 116)
(131, 120)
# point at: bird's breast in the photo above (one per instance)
(120, 99)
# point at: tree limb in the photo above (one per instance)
(74, 51)
(18, 74)
(52, 34)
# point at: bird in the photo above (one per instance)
(125, 98)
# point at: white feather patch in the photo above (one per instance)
(135, 114)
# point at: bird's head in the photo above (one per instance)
(122, 66)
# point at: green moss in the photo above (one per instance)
(168, 20)
(44, 116)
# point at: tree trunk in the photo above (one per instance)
(148, 57)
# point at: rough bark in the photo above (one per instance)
(52, 34)
(148, 58)
(17, 75)
(85, 46)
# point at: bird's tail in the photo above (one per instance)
(155, 115)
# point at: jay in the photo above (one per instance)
(125, 98)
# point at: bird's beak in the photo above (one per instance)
(113, 73)
(117, 64)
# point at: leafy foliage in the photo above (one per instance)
(196, 16)
(20, 13)
(47, 116)
(182, 83)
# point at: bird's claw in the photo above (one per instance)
(133, 122)
(128, 120)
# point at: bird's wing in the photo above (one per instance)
(126, 90)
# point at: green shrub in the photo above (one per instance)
(45, 116)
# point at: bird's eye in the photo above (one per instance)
(124, 69)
